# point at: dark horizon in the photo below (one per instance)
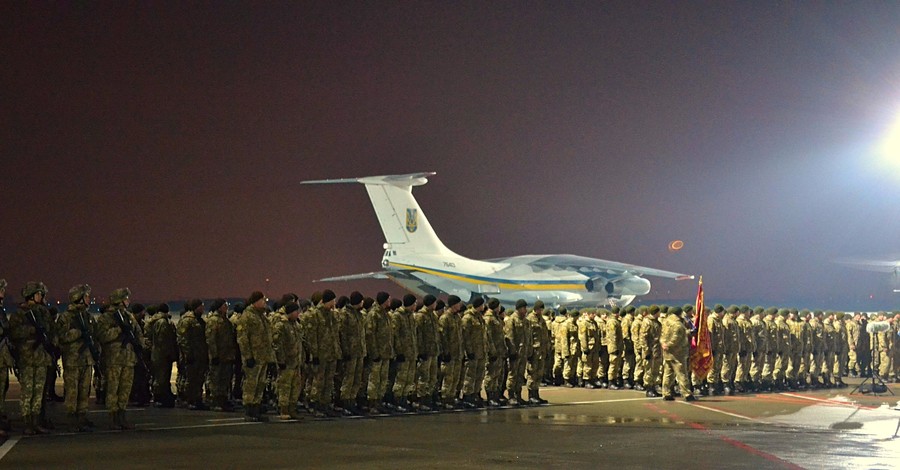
(160, 147)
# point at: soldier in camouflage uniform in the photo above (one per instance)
(497, 350)
(76, 328)
(541, 352)
(325, 349)
(452, 352)
(795, 326)
(405, 352)
(140, 387)
(628, 353)
(589, 340)
(568, 346)
(773, 350)
(760, 336)
(746, 350)
(221, 344)
(817, 336)
(559, 357)
(191, 331)
(428, 343)
(639, 366)
(6, 362)
(731, 344)
(649, 345)
(828, 348)
(287, 344)
(163, 341)
(115, 328)
(674, 343)
(841, 349)
(254, 336)
(519, 343)
(33, 355)
(475, 356)
(852, 326)
(379, 350)
(615, 346)
(353, 348)
(548, 316)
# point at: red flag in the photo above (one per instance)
(701, 344)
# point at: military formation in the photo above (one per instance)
(357, 355)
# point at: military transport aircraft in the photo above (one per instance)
(415, 258)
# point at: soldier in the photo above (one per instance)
(852, 325)
(746, 350)
(615, 346)
(497, 348)
(325, 349)
(30, 337)
(628, 359)
(549, 315)
(403, 365)
(353, 349)
(829, 350)
(452, 352)
(884, 345)
(603, 351)
(805, 348)
(163, 341)
(841, 348)
(674, 343)
(760, 337)
(474, 347)
(116, 330)
(589, 340)
(6, 362)
(639, 366)
(817, 336)
(428, 342)
(519, 341)
(254, 338)
(559, 356)
(191, 331)
(649, 345)
(140, 388)
(568, 346)
(221, 344)
(237, 386)
(77, 334)
(287, 344)
(717, 345)
(731, 344)
(379, 350)
(795, 328)
(773, 340)
(895, 343)
(540, 347)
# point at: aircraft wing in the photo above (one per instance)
(356, 277)
(589, 266)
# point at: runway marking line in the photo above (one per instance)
(8, 445)
(740, 445)
(615, 400)
(831, 402)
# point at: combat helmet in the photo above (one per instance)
(77, 293)
(119, 296)
(33, 287)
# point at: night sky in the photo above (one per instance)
(159, 147)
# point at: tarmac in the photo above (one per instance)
(579, 429)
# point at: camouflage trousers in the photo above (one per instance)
(473, 376)
(639, 365)
(118, 386)
(493, 375)
(793, 368)
(405, 381)
(220, 381)
(32, 380)
(77, 387)
(4, 387)
(162, 380)
(651, 371)
(840, 364)
(757, 364)
(547, 360)
(378, 379)
(534, 372)
(569, 367)
(287, 387)
(322, 388)
(603, 365)
(673, 370)
(628, 361)
(780, 368)
(884, 364)
(516, 375)
(828, 366)
(254, 384)
(815, 365)
(714, 377)
(194, 378)
(742, 374)
(614, 371)
(352, 373)
(426, 377)
(590, 363)
(729, 367)
(852, 362)
(768, 370)
(450, 372)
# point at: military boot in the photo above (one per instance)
(513, 399)
(423, 405)
(5, 425)
(29, 426)
(74, 422)
(537, 394)
(248, 413)
(284, 413)
(126, 426)
(114, 421)
(651, 393)
(493, 402)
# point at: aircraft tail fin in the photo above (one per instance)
(404, 224)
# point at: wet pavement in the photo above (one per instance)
(579, 429)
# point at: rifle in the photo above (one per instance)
(41, 334)
(4, 339)
(87, 339)
(128, 337)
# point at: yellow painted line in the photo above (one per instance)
(726, 413)
(504, 285)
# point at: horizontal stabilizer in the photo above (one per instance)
(356, 277)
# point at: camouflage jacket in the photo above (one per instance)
(160, 332)
(116, 349)
(379, 334)
(352, 332)
(404, 332)
(615, 343)
(221, 338)
(254, 335)
(495, 342)
(540, 335)
(191, 330)
(287, 341)
(450, 330)
(427, 334)
(29, 349)
(674, 337)
(473, 335)
(72, 323)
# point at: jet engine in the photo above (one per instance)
(632, 285)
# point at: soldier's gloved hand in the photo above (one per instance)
(214, 361)
(282, 366)
(513, 356)
(314, 361)
(346, 357)
(422, 357)
(400, 358)
(742, 354)
(251, 363)
(376, 359)
(470, 356)
(648, 356)
(492, 358)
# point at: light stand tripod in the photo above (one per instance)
(873, 377)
